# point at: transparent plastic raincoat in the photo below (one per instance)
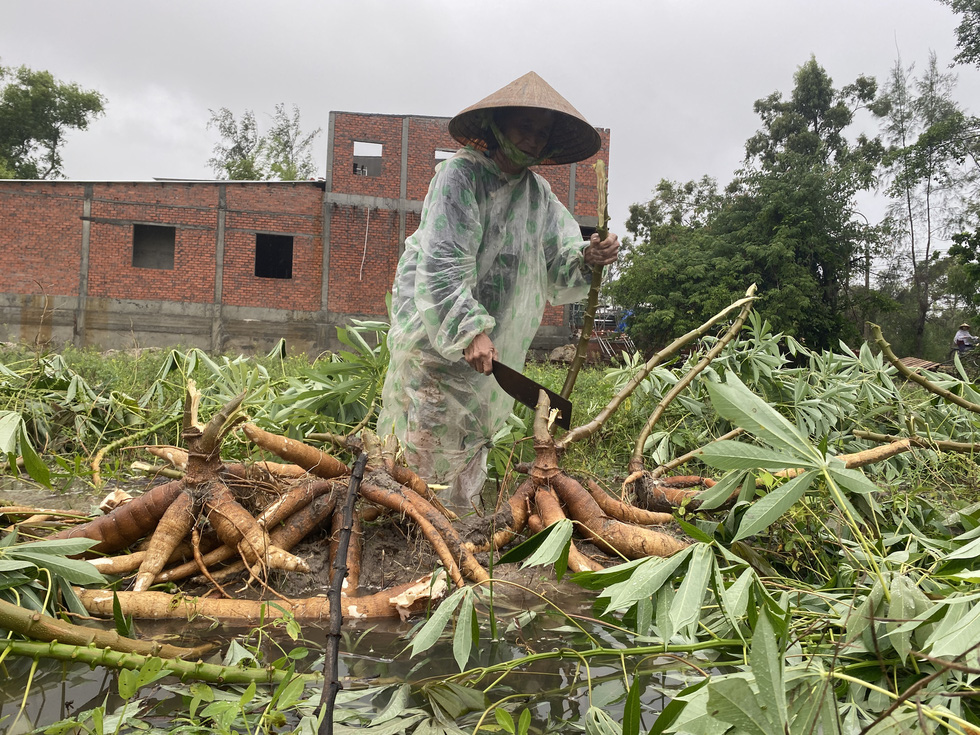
(491, 249)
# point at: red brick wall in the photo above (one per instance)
(40, 237)
(354, 288)
(383, 129)
(425, 136)
(192, 208)
(278, 209)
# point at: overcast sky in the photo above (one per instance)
(674, 80)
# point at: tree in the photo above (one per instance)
(284, 154)
(930, 168)
(668, 277)
(968, 31)
(289, 150)
(36, 111)
(787, 223)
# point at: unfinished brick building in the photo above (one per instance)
(230, 265)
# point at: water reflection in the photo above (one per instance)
(557, 691)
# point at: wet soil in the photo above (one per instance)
(393, 551)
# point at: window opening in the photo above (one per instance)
(273, 256)
(367, 158)
(153, 246)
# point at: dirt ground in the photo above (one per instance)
(394, 552)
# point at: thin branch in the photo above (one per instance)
(587, 430)
(636, 462)
(886, 350)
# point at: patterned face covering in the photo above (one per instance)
(515, 154)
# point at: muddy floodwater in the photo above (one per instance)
(556, 691)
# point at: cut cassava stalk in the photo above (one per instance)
(309, 458)
(921, 441)
(41, 627)
(175, 456)
(545, 464)
(636, 461)
(860, 459)
(615, 508)
(175, 524)
(402, 601)
(156, 470)
(549, 513)
(610, 535)
(586, 430)
(339, 569)
(352, 580)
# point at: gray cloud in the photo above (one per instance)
(674, 80)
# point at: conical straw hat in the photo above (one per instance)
(572, 138)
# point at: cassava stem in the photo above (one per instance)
(592, 303)
(331, 680)
(582, 432)
(636, 462)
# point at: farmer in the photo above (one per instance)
(493, 245)
(963, 340)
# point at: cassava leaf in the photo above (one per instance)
(464, 636)
(765, 511)
(766, 660)
(436, 625)
(736, 403)
(733, 455)
(541, 548)
(646, 579)
(734, 702)
(685, 610)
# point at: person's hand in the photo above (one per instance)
(601, 252)
(480, 353)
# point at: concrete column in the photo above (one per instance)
(403, 187)
(571, 188)
(327, 211)
(219, 270)
(78, 335)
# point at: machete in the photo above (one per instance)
(526, 391)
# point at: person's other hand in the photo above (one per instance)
(480, 353)
(602, 252)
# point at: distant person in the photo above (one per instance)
(493, 245)
(963, 340)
